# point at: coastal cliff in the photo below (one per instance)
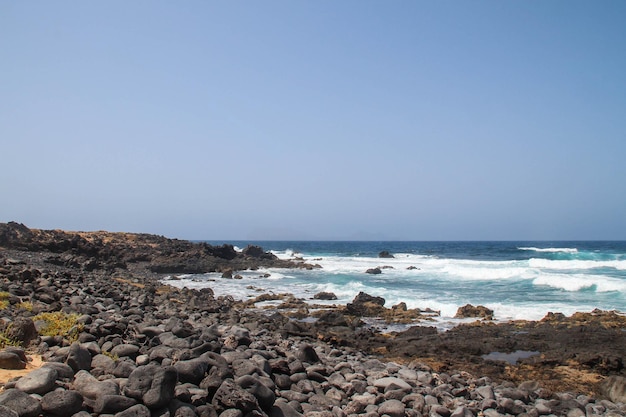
(111, 251)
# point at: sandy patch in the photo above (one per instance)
(34, 362)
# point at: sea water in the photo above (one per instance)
(518, 280)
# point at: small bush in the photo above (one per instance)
(4, 299)
(25, 305)
(59, 323)
(111, 355)
(6, 340)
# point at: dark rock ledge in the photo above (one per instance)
(138, 348)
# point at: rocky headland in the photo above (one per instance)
(115, 341)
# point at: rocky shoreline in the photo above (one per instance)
(135, 347)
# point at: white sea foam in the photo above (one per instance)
(453, 269)
(479, 270)
(286, 254)
(575, 264)
(459, 269)
(550, 250)
(579, 282)
(344, 292)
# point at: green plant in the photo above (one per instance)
(58, 323)
(26, 305)
(111, 355)
(4, 299)
(6, 340)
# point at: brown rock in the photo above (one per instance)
(468, 311)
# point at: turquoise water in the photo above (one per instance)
(518, 280)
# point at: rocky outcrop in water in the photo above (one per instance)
(470, 311)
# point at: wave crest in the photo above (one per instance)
(574, 283)
(575, 264)
(549, 250)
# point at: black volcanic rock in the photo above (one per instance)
(224, 251)
(468, 311)
(324, 295)
(90, 251)
(365, 305)
(254, 251)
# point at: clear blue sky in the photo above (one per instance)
(356, 119)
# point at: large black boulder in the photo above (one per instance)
(365, 305)
(21, 402)
(254, 251)
(153, 385)
(225, 251)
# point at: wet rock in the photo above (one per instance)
(470, 311)
(374, 271)
(365, 305)
(385, 254)
(255, 252)
(325, 296)
(332, 318)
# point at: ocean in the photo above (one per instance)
(518, 280)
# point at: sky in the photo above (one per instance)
(316, 120)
